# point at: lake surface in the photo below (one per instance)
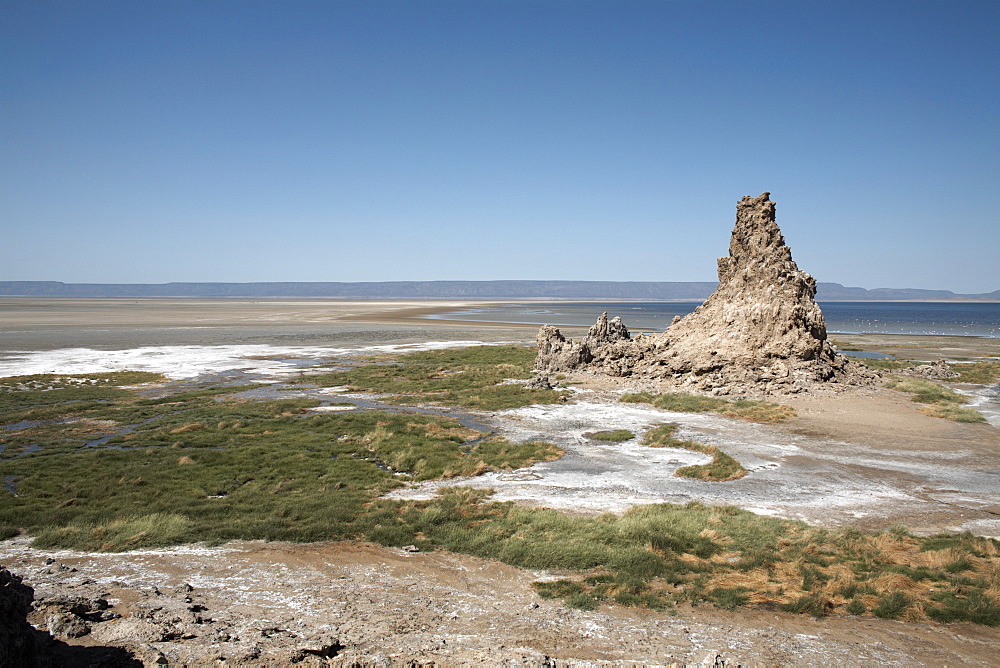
(941, 318)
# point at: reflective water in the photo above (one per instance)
(940, 318)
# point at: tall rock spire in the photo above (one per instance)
(764, 307)
(761, 331)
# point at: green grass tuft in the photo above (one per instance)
(982, 372)
(892, 606)
(720, 469)
(742, 409)
(925, 391)
(468, 377)
(616, 436)
(954, 413)
(942, 402)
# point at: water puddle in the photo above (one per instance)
(23, 424)
(129, 429)
(866, 354)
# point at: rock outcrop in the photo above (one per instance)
(606, 342)
(938, 370)
(19, 644)
(760, 332)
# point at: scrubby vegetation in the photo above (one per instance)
(664, 554)
(942, 402)
(720, 469)
(469, 377)
(615, 436)
(21, 392)
(982, 372)
(128, 471)
(742, 409)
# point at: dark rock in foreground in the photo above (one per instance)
(761, 331)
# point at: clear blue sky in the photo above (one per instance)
(170, 140)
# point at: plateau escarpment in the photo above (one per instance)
(761, 331)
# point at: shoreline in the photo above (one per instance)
(50, 323)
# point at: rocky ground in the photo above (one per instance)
(350, 604)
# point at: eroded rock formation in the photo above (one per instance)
(19, 644)
(760, 332)
(938, 370)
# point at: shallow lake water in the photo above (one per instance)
(922, 318)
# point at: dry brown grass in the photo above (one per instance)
(465, 470)
(195, 426)
(437, 430)
(890, 583)
(937, 558)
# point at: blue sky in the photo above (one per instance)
(474, 140)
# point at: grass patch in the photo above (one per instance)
(729, 598)
(982, 372)
(20, 394)
(665, 554)
(616, 436)
(925, 391)
(956, 413)
(207, 466)
(742, 409)
(892, 606)
(941, 401)
(720, 469)
(468, 377)
(972, 605)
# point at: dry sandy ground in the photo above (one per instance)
(868, 459)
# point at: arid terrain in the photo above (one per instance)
(866, 458)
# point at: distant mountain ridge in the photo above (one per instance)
(485, 290)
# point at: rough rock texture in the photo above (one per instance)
(539, 383)
(143, 623)
(24, 646)
(938, 370)
(760, 332)
(607, 343)
(19, 645)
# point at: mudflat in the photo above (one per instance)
(108, 324)
(40, 324)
